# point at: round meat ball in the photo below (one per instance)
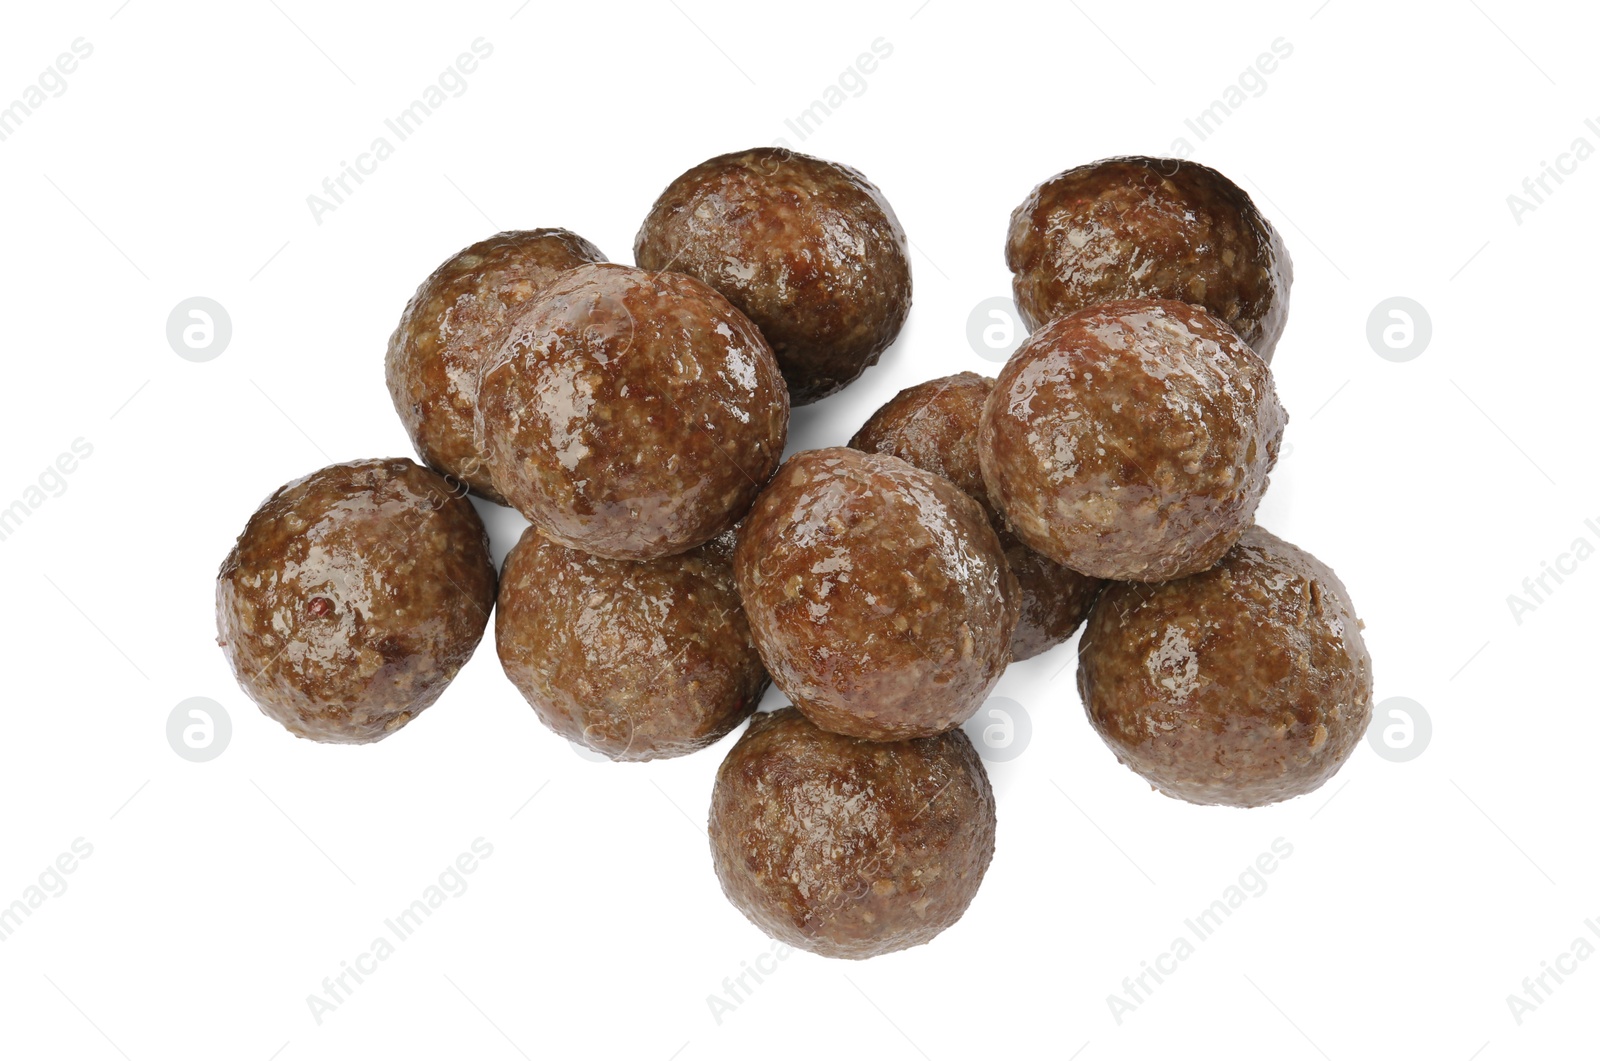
(1149, 228)
(850, 848)
(353, 597)
(1243, 685)
(452, 325)
(810, 250)
(638, 660)
(878, 594)
(934, 425)
(631, 414)
(1131, 440)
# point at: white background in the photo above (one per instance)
(219, 895)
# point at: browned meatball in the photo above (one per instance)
(1131, 440)
(850, 848)
(810, 250)
(636, 659)
(1244, 685)
(1149, 228)
(934, 425)
(632, 414)
(452, 325)
(878, 594)
(353, 597)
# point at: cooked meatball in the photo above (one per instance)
(636, 659)
(631, 414)
(810, 250)
(452, 325)
(1243, 685)
(1131, 440)
(1149, 228)
(934, 425)
(850, 848)
(353, 597)
(878, 594)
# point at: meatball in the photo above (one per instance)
(631, 414)
(850, 848)
(1131, 440)
(934, 425)
(878, 594)
(636, 659)
(1149, 228)
(810, 250)
(353, 597)
(452, 325)
(1243, 685)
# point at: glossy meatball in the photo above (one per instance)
(878, 594)
(934, 425)
(1131, 440)
(1149, 228)
(353, 597)
(452, 325)
(1244, 685)
(635, 659)
(810, 250)
(850, 848)
(631, 414)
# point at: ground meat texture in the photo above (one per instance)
(636, 659)
(1131, 440)
(934, 425)
(632, 414)
(878, 594)
(810, 250)
(1244, 685)
(452, 325)
(1149, 228)
(850, 848)
(353, 597)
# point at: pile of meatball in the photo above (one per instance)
(675, 563)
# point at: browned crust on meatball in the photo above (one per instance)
(878, 594)
(1131, 440)
(637, 660)
(934, 425)
(1141, 227)
(808, 249)
(632, 414)
(850, 848)
(1244, 685)
(452, 325)
(353, 597)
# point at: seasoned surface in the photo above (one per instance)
(934, 425)
(810, 250)
(1244, 685)
(635, 659)
(1149, 228)
(632, 414)
(878, 594)
(353, 597)
(452, 325)
(1131, 440)
(850, 848)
